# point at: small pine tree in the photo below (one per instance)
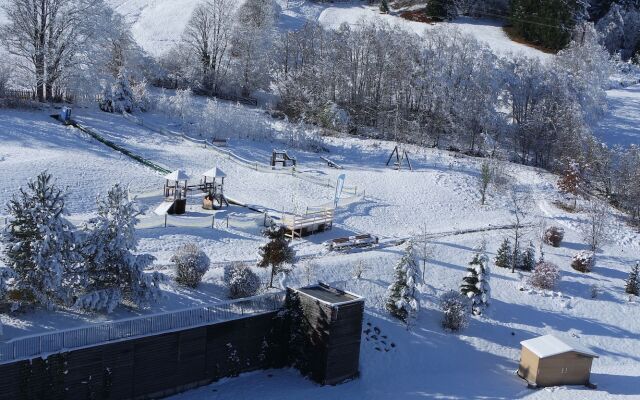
(504, 254)
(110, 265)
(402, 300)
(40, 244)
(475, 285)
(633, 281)
(528, 261)
(516, 258)
(276, 253)
(123, 96)
(384, 6)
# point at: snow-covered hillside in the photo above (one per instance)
(158, 24)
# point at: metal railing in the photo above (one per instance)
(33, 346)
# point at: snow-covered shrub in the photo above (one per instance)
(475, 285)
(455, 311)
(191, 264)
(545, 275)
(141, 98)
(402, 297)
(39, 244)
(583, 261)
(109, 262)
(241, 280)
(553, 236)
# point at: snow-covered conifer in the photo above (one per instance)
(475, 285)
(112, 270)
(276, 253)
(39, 243)
(402, 295)
(123, 97)
(528, 261)
(504, 254)
(191, 265)
(633, 281)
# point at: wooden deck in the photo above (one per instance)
(308, 224)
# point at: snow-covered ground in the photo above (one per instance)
(440, 195)
(621, 125)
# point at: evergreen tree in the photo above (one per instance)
(112, 272)
(384, 6)
(402, 300)
(441, 10)
(528, 261)
(39, 243)
(475, 285)
(504, 254)
(633, 281)
(123, 97)
(516, 258)
(276, 253)
(546, 22)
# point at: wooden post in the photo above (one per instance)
(227, 221)
(165, 220)
(213, 221)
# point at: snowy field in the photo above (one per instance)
(621, 125)
(440, 194)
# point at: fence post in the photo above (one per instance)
(227, 221)
(165, 220)
(213, 221)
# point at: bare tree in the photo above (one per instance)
(597, 229)
(46, 37)
(517, 210)
(485, 179)
(208, 35)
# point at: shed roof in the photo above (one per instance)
(329, 294)
(550, 345)
(214, 173)
(177, 175)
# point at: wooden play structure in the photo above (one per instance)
(282, 157)
(308, 224)
(177, 187)
(331, 163)
(400, 157)
(213, 184)
(351, 242)
(175, 193)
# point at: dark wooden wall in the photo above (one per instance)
(149, 367)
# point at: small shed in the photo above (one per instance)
(552, 361)
(329, 326)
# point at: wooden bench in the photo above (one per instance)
(331, 163)
(365, 240)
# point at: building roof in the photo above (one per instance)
(177, 175)
(214, 173)
(550, 345)
(329, 295)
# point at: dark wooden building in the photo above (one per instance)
(326, 326)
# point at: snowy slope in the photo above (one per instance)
(621, 125)
(484, 30)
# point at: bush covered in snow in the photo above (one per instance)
(241, 280)
(553, 236)
(191, 264)
(545, 275)
(455, 311)
(583, 261)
